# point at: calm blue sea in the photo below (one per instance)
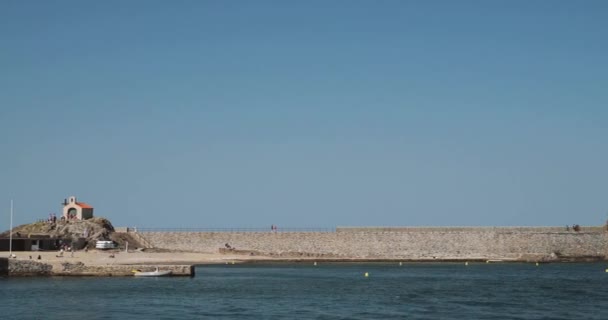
(325, 291)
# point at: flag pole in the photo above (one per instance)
(10, 237)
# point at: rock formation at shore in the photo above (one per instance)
(89, 230)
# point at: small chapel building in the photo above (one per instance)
(74, 210)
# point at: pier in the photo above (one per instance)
(24, 268)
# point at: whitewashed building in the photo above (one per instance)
(74, 210)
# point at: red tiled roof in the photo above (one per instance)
(84, 205)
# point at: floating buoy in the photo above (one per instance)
(466, 263)
(315, 263)
(366, 274)
(537, 264)
(400, 263)
(232, 262)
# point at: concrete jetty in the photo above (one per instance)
(16, 268)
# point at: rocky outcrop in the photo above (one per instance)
(81, 231)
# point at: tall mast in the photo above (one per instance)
(10, 235)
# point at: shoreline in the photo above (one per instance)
(99, 257)
(120, 263)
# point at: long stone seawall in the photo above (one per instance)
(515, 243)
(20, 268)
(79, 269)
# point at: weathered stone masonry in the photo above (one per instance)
(399, 243)
(14, 267)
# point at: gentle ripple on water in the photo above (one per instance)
(327, 291)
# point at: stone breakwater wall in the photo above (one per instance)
(516, 243)
(27, 268)
(12, 267)
(80, 269)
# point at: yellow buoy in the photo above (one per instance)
(232, 262)
(537, 264)
(366, 274)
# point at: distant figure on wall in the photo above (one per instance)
(273, 228)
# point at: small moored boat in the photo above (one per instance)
(494, 260)
(155, 273)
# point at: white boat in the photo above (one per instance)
(155, 273)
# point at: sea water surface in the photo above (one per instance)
(325, 291)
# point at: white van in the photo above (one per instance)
(101, 244)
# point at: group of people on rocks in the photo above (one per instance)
(575, 227)
(52, 218)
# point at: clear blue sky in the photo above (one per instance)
(307, 113)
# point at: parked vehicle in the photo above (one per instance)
(104, 244)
